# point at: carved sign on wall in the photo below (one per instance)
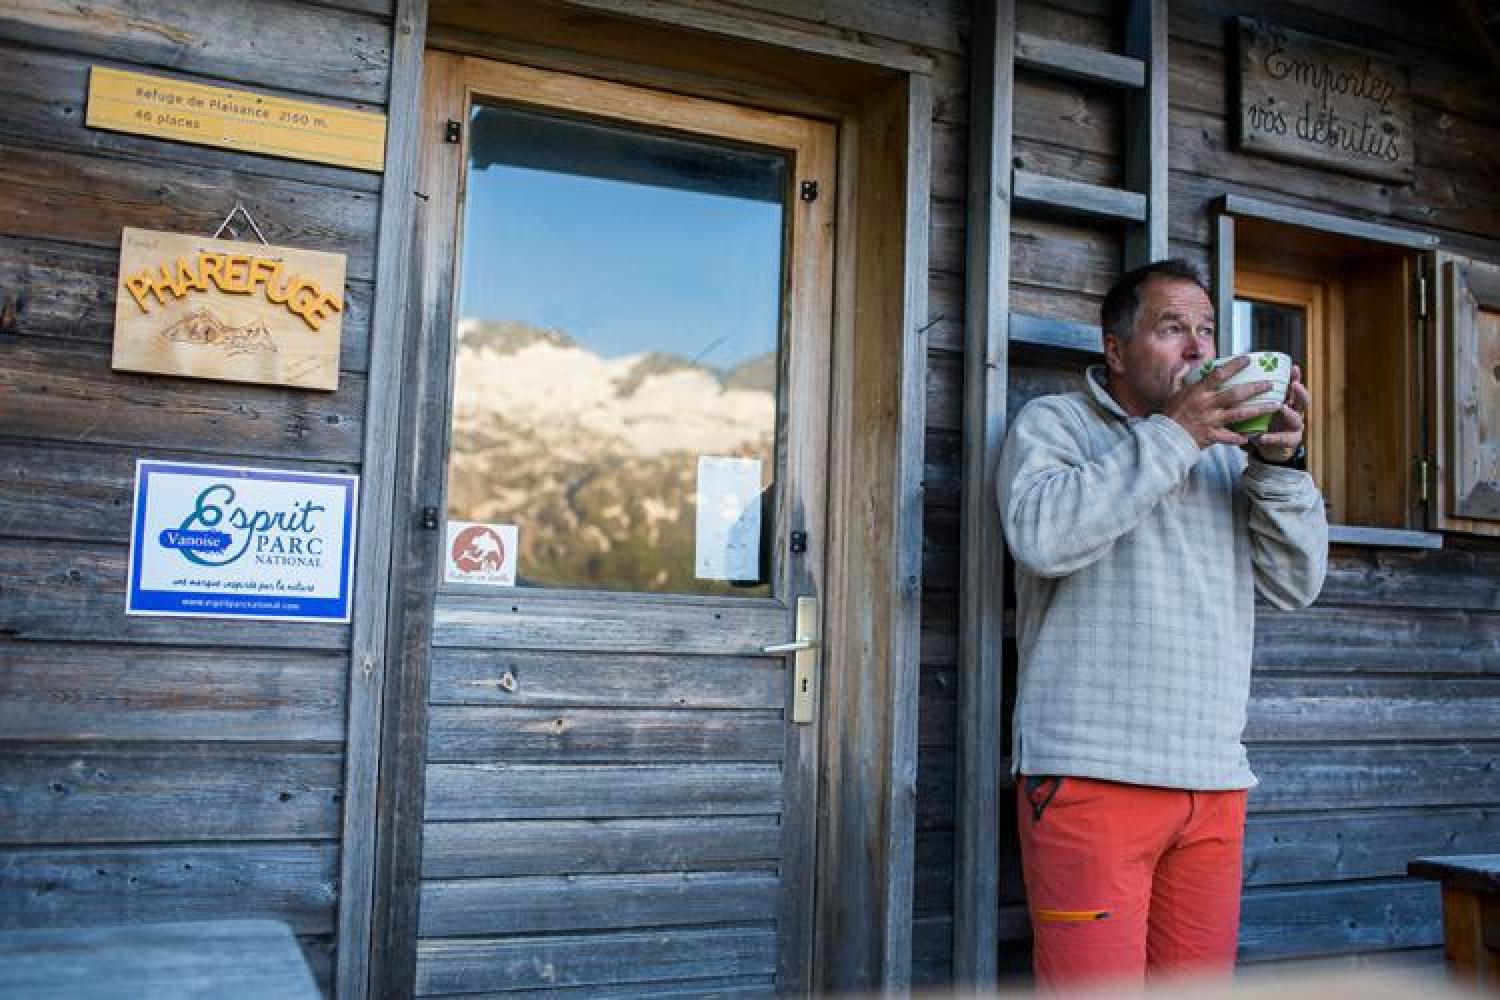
(222, 309)
(1316, 101)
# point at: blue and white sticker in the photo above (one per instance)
(231, 542)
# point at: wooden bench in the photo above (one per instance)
(224, 959)
(1471, 913)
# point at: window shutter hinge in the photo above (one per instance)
(453, 131)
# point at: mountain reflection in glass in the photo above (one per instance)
(619, 317)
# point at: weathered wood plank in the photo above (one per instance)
(1373, 640)
(277, 43)
(1040, 193)
(1285, 848)
(530, 905)
(617, 680)
(593, 959)
(82, 198)
(83, 492)
(1056, 334)
(67, 291)
(1320, 776)
(1331, 920)
(79, 887)
(76, 591)
(33, 83)
(618, 624)
(57, 392)
(522, 791)
(564, 847)
(122, 693)
(1070, 258)
(1448, 579)
(1368, 709)
(1065, 113)
(1081, 62)
(479, 733)
(189, 793)
(711, 988)
(230, 959)
(366, 882)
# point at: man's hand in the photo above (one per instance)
(1206, 408)
(1281, 441)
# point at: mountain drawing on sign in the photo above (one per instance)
(202, 327)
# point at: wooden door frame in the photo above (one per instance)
(881, 100)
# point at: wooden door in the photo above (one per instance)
(625, 414)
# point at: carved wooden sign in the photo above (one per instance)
(222, 309)
(1317, 101)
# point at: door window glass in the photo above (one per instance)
(617, 353)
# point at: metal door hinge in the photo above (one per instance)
(429, 519)
(809, 190)
(799, 542)
(1422, 294)
(453, 131)
(1424, 470)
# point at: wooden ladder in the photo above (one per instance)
(997, 190)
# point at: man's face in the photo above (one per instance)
(1174, 333)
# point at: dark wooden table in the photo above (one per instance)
(218, 959)
(1471, 913)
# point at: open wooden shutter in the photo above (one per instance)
(1465, 349)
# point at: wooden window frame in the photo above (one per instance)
(1322, 303)
(1229, 209)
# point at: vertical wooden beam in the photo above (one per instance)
(378, 473)
(868, 796)
(976, 896)
(1146, 130)
(1224, 280)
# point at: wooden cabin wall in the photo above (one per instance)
(1371, 719)
(158, 769)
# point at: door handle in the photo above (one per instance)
(799, 646)
(804, 661)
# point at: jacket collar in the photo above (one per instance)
(1093, 376)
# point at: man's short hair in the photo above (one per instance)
(1123, 300)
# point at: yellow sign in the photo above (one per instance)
(235, 119)
(244, 312)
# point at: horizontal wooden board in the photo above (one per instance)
(178, 958)
(66, 392)
(77, 692)
(1421, 641)
(1063, 256)
(81, 492)
(563, 847)
(52, 195)
(1321, 776)
(280, 43)
(1449, 578)
(945, 312)
(521, 621)
(67, 291)
(186, 793)
(463, 966)
(1330, 920)
(1368, 709)
(531, 905)
(1285, 848)
(522, 791)
(709, 988)
(463, 676)
(76, 591)
(552, 735)
(79, 887)
(34, 81)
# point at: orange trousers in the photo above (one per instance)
(1129, 882)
